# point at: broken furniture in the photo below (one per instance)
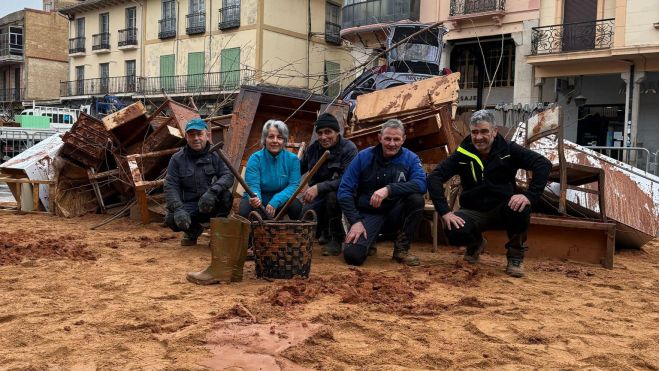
(568, 175)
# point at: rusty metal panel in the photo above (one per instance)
(181, 114)
(544, 122)
(86, 143)
(409, 97)
(631, 195)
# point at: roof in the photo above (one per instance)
(87, 5)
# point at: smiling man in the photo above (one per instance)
(321, 194)
(197, 186)
(487, 165)
(382, 190)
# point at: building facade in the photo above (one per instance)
(600, 60)
(32, 57)
(204, 49)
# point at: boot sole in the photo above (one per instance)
(515, 274)
(202, 282)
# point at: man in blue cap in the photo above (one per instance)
(197, 186)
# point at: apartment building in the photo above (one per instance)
(32, 57)
(600, 60)
(203, 48)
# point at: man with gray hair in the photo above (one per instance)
(382, 190)
(487, 165)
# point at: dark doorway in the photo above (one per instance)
(579, 18)
(601, 125)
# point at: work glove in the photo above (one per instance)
(182, 219)
(207, 201)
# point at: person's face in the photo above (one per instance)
(327, 137)
(197, 139)
(274, 142)
(482, 136)
(391, 140)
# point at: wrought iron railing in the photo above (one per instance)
(198, 83)
(12, 95)
(128, 36)
(571, 37)
(77, 45)
(99, 86)
(195, 23)
(229, 17)
(464, 7)
(379, 11)
(8, 48)
(167, 28)
(333, 33)
(101, 41)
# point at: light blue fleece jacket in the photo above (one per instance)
(273, 178)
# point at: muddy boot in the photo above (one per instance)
(402, 251)
(190, 237)
(225, 252)
(515, 267)
(332, 248)
(324, 237)
(372, 250)
(473, 255)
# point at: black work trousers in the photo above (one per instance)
(404, 217)
(501, 217)
(329, 215)
(221, 209)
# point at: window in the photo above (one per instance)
(332, 23)
(80, 80)
(467, 60)
(196, 18)
(130, 75)
(332, 85)
(131, 17)
(80, 27)
(230, 68)
(168, 19)
(104, 72)
(229, 14)
(102, 40)
(167, 72)
(104, 23)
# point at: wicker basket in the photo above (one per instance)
(283, 249)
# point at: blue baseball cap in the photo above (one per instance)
(196, 124)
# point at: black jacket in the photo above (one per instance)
(190, 174)
(328, 176)
(487, 183)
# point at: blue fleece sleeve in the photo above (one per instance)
(280, 198)
(253, 175)
(348, 189)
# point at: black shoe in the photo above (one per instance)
(324, 238)
(372, 251)
(473, 257)
(188, 240)
(332, 248)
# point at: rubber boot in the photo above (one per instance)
(324, 237)
(245, 231)
(226, 251)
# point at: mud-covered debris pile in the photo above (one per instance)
(16, 247)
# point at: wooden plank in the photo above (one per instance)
(23, 181)
(409, 97)
(140, 194)
(124, 115)
(35, 197)
(570, 223)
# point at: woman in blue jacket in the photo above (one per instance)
(273, 174)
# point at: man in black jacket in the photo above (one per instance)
(321, 194)
(197, 186)
(487, 165)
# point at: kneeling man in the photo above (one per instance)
(383, 188)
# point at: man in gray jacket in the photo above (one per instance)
(197, 186)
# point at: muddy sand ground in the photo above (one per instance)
(117, 298)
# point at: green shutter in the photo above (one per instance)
(195, 70)
(332, 84)
(230, 68)
(167, 72)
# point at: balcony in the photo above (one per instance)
(11, 50)
(99, 86)
(467, 10)
(229, 17)
(213, 82)
(11, 95)
(195, 23)
(127, 38)
(101, 42)
(572, 37)
(362, 22)
(77, 46)
(333, 33)
(167, 28)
